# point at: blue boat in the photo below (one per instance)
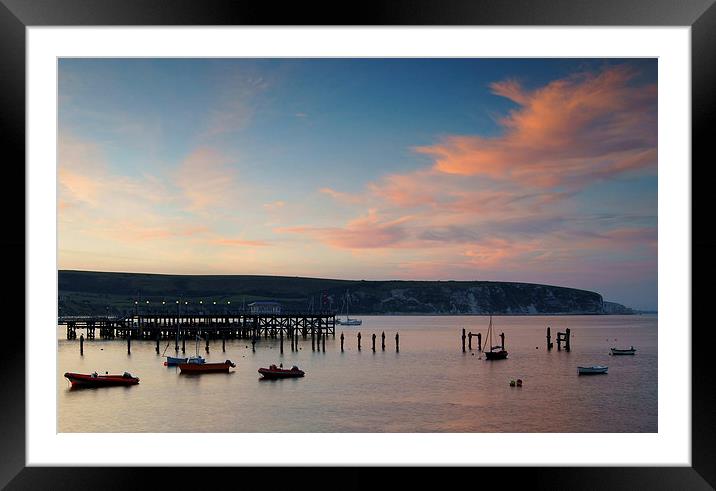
(173, 361)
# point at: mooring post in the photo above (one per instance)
(559, 341)
(323, 342)
(373, 342)
(566, 340)
(382, 341)
(397, 342)
(207, 341)
(223, 341)
(341, 341)
(280, 335)
(469, 340)
(502, 340)
(479, 341)
(549, 338)
(253, 343)
(463, 339)
(183, 342)
(157, 347)
(313, 339)
(358, 341)
(82, 344)
(129, 342)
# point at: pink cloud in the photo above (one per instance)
(570, 132)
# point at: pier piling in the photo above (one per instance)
(373, 343)
(479, 341)
(382, 341)
(129, 342)
(502, 340)
(183, 342)
(223, 342)
(157, 347)
(341, 341)
(397, 342)
(280, 335)
(207, 341)
(82, 344)
(323, 343)
(549, 338)
(463, 340)
(469, 340)
(358, 341)
(566, 340)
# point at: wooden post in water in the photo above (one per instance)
(183, 341)
(82, 344)
(382, 341)
(323, 342)
(207, 341)
(313, 339)
(463, 339)
(223, 341)
(479, 341)
(469, 340)
(358, 341)
(373, 342)
(129, 342)
(502, 340)
(549, 338)
(566, 339)
(280, 335)
(253, 344)
(397, 342)
(341, 341)
(157, 347)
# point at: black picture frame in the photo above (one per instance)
(700, 15)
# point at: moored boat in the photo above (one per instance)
(593, 370)
(630, 351)
(95, 380)
(173, 361)
(495, 352)
(222, 367)
(276, 372)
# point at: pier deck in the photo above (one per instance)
(227, 325)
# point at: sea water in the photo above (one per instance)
(430, 385)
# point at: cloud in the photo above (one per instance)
(205, 179)
(365, 232)
(240, 242)
(569, 133)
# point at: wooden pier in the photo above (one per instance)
(208, 326)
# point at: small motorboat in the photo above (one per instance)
(277, 372)
(95, 380)
(173, 361)
(222, 367)
(593, 370)
(630, 351)
(500, 354)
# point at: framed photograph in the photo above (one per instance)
(454, 234)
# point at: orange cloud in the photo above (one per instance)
(366, 232)
(571, 132)
(241, 242)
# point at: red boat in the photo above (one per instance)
(206, 367)
(94, 380)
(275, 372)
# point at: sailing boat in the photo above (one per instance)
(197, 359)
(173, 361)
(348, 321)
(495, 352)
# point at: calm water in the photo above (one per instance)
(430, 386)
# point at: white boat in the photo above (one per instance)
(592, 370)
(630, 351)
(348, 321)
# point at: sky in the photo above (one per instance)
(528, 170)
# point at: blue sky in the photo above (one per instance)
(540, 170)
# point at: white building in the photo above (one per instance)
(265, 308)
